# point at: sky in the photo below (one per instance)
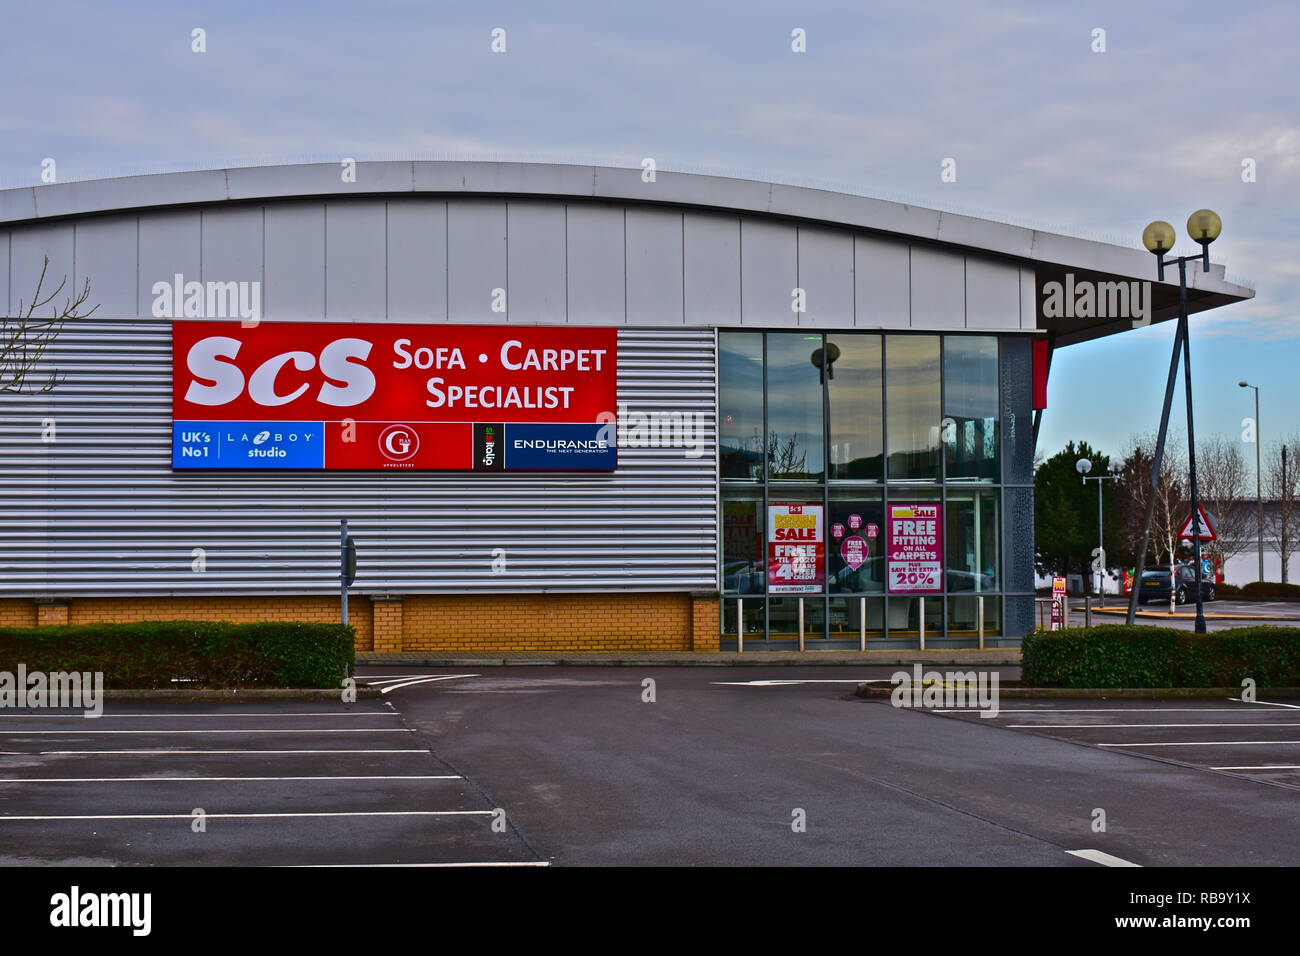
(1046, 130)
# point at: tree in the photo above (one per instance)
(25, 337)
(1135, 491)
(1281, 490)
(1065, 512)
(1222, 489)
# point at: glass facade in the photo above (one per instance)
(838, 451)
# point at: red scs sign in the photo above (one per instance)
(406, 386)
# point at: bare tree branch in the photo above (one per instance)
(24, 337)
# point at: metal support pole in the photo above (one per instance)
(1198, 570)
(920, 620)
(801, 625)
(862, 623)
(1156, 462)
(1087, 610)
(343, 567)
(1259, 497)
(740, 625)
(1101, 549)
(979, 616)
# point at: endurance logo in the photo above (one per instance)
(73, 690)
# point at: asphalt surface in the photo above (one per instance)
(1220, 615)
(1258, 741)
(713, 770)
(718, 769)
(279, 782)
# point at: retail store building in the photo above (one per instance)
(561, 407)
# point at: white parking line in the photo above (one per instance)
(1098, 710)
(1267, 703)
(424, 680)
(1105, 859)
(779, 683)
(178, 751)
(390, 679)
(255, 816)
(79, 715)
(1272, 766)
(1206, 743)
(398, 776)
(251, 730)
(1089, 726)
(335, 866)
(375, 677)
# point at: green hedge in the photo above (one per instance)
(1271, 589)
(181, 654)
(1116, 655)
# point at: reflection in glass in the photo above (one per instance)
(856, 417)
(742, 542)
(740, 405)
(794, 407)
(913, 426)
(783, 617)
(855, 535)
(970, 396)
(971, 541)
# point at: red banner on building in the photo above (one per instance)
(329, 395)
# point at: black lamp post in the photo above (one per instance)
(1259, 497)
(1204, 227)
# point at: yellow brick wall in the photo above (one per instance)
(17, 612)
(547, 622)
(238, 609)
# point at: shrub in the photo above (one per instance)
(1116, 655)
(1271, 589)
(181, 654)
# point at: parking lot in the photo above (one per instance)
(1259, 741)
(1220, 614)
(649, 766)
(292, 783)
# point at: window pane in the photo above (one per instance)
(783, 617)
(971, 541)
(970, 396)
(855, 537)
(912, 382)
(963, 616)
(794, 409)
(856, 419)
(740, 404)
(742, 542)
(905, 615)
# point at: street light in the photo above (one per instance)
(1204, 227)
(1259, 498)
(1083, 466)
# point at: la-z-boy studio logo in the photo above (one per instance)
(1085, 299)
(399, 442)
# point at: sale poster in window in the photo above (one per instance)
(796, 552)
(915, 548)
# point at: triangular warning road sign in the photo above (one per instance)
(1208, 527)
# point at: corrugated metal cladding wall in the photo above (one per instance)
(98, 511)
